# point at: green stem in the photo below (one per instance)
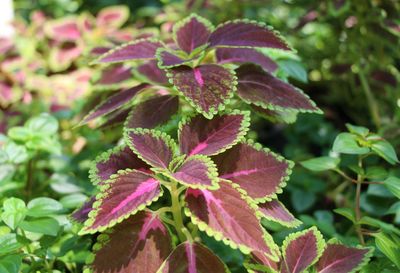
(357, 210)
(373, 107)
(29, 179)
(177, 212)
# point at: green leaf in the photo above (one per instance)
(15, 153)
(19, 133)
(9, 243)
(358, 130)
(46, 226)
(346, 143)
(321, 163)
(10, 263)
(346, 212)
(385, 150)
(376, 173)
(302, 200)
(388, 247)
(294, 69)
(393, 185)
(389, 228)
(73, 200)
(14, 212)
(44, 123)
(43, 206)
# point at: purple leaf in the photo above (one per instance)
(277, 116)
(192, 32)
(114, 102)
(197, 172)
(153, 112)
(114, 75)
(228, 215)
(199, 135)
(151, 71)
(276, 211)
(192, 258)
(140, 244)
(112, 17)
(61, 57)
(259, 263)
(82, 214)
(262, 89)
(142, 49)
(245, 55)
(115, 118)
(113, 160)
(207, 87)
(339, 258)
(168, 58)
(245, 33)
(154, 147)
(260, 172)
(301, 250)
(123, 195)
(64, 29)
(99, 50)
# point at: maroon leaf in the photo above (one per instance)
(168, 58)
(115, 118)
(114, 102)
(110, 162)
(64, 29)
(114, 75)
(192, 258)
(151, 71)
(207, 87)
(192, 32)
(245, 33)
(245, 55)
(141, 49)
(199, 135)
(260, 172)
(82, 214)
(154, 147)
(153, 112)
(276, 211)
(140, 244)
(262, 89)
(301, 250)
(227, 215)
(339, 258)
(261, 262)
(197, 172)
(126, 193)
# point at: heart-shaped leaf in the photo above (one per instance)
(114, 102)
(197, 171)
(142, 49)
(154, 147)
(151, 71)
(198, 135)
(228, 215)
(140, 244)
(277, 212)
(301, 250)
(260, 172)
(192, 32)
(262, 89)
(246, 33)
(152, 112)
(192, 258)
(123, 195)
(207, 87)
(245, 55)
(113, 160)
(338, 258)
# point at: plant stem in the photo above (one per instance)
(357, 210)
(373, 108)
(177, 212)
(29, 179)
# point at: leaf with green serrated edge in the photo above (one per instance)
(192, 258)
(198, 135)
(197, 171)
(346, 143)
(140, 244)
(260, 88)
(63, 29)
(142, 49)
(152, 72)
(207, 87)
(154, 147)
(114, 102)
(113, 16)
(275, 211)
(152, 112)
(113, 160)
(123, 195)
(339, 258)
(192, 32)
(168, 58)
(228, 215)
(320, 164)
(260, 172)
(301, 250)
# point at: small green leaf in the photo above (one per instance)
(376, 173)
(385, 150)
(9, 243)
(15, 153)
(393, 185)
(346, 212)
(44, 123)
(359, 130)
(321, 163)
(11, 263)
(73, 200)
(14, 212)
(389, 247)
(389, 228)
(43, 206)
(346, 143)
(302, 200)
(19, 133)
(293, 69)
(46, 226)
